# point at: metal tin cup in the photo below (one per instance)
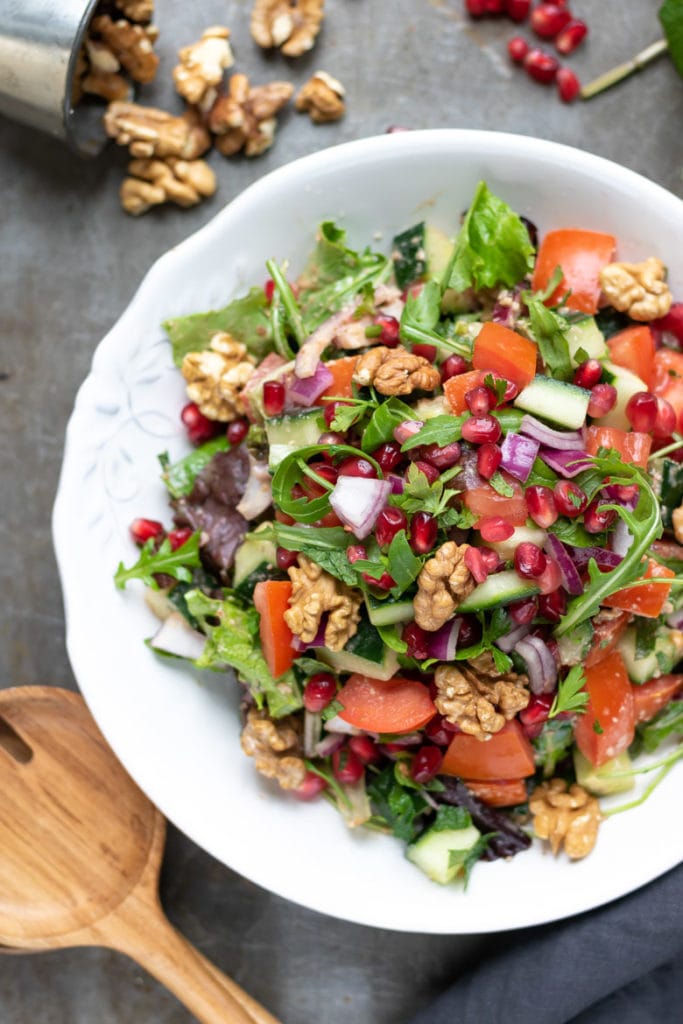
(39, 44)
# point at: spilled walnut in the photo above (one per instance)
(565, 816)
(152, 182)
(136, 10)
(315, 593)
(275, 747)
(244, 118)
(395, 371)
(291, 25)
(201, 66)
(130, 44)
(322, 97)
(639, 289)
(216, 377)
(443, 583)
(148, 131)
(480, 707)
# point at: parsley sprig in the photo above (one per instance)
(421, 496)
(570, 696)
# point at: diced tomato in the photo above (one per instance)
(633, 446)
(634, 349)
(455, 389)
(505, 352)
(484, 501)
(394, 705)
(498, 792)
(581, 255)
(271, 600)
(342, 373)
(508, 754)
(607, 726)
(668, 378)
(606, 636)
(644, 599)
(650, 698)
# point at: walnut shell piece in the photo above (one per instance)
(322, 97)
(480, 707)
(148, 131)
(291, 25)
(275, 747)
(395, 371)
(151, 182)
(130, 44)
(565, 816)
(202, 64)
(444, 582)
(639, 289)
(316, 593)
(244, 118)
(217, 375)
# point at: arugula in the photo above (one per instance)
(293, 468)
(180, 476)
(669, 722)
(570, 696)
(421, 496)
(234, 641)
(555, 741)
(395, 804)
(420, 319)
(549, 332)
(325, 545)
(246, 319)
(385, 417)
(491, 629)
(400, 562)
(177, 564)
(284, 297)
(440, 430)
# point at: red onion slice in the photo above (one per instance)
(328, 744)
(605, 559)
(565, 462)
(318, 640)
(566, 440)
(358, 501)
(519, 453)
(571, 580)
(507, 643)
(306, 391)
(541, 666)
(443, 643)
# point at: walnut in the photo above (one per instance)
(101, 57)
(443, 583)
(678, 523)
(292, 25)
(322, 97)
(131, 44)
(244, 118)
(215, 377)
(639, 289)
(315, 592)
(136, 10)
(108, 85)
(395, 371)
(275, 747)
(201, 66)
(148, 131)
(480, 707)
(185, 182)
(572, 817)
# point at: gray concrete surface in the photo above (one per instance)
(69, 263)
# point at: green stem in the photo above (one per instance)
(311, 473)
(410, 332)
(622, 71)
(641, 799)
(673, 447)
(282, 346)
(288, 301)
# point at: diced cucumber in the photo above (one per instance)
(365, 653)
(554, 400)
(441, 852)
(575, 645)
(386, 613)
(438, 250)
(627, 384)
(667, 651)
(520, 535)
(608, 779)
(286, 434)
(252, 554)
(501, 588)
(587, 336)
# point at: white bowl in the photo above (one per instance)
(177, 731)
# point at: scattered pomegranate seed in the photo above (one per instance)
(388, 455)
(603, 399)
(517, 10)
(285, 559)
(453, 366)
(588, 374)
(389, 522)
(199, 427)
(385, 582)
(479, 401)
(442, 456)
(541, 505)
(530, 561)
(179, 537)
(485, 430)
(269, 290)
(671, 324)
(568, 85)
(330, 411)
(548, 19)
(417, 640)
(552, 606)
(571, 36)
(365, 749)
(431, 472)
(641, 411)
(390, 330)
(346, 766)
(596, 518)
(423, 531)
(541, 66)
(665, 423)
(310, 788)
(319, 691)
(518, 49)
(426, 764)
(273, 397)
(523, 612)
(311, 488)
(237, 431)
(142, 530)
(489, 457)
(569, 498)
(427, 352)
(495, 529)
(356, 553)
(357, 466)
(478, 566)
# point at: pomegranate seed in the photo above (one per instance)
(385, 582)
(346, 766)
(237, 431)
(426, 764)
(541, 66)
(479, 401)
(365, 749)
(485, 430)
(330, 437)
(285, 559)
(470, 631)
(310, 788)
(672, 323)
(417, 640)
(477, 565)
(490, 559)
(389, 522)
(552, 606)
(588, 374)
(142, 530)
(477, 8)
(390, 330)
(665, 423)
(443, 457)
(269, 290)
(517, 10)
(356, 553)
(551, 578)
(547, 20)
(494, 6)
(641, 411)
(571, 36)
(273, 397)
(404, 431)
(596, 518)
(431, 472)
(495, 529)
(310, 488)
(518, 49)
(199, 427)
(535, 714)
(427, 352)
(541, 505)
(568, 85)
(423, 531)
(179, 537)
(603, 399)
(330, 411)
(357, 466)
(388, 455)
(530, 562)
(453, 366)
(319, 691)
(569, 498)
(439, 731)
(523, 612)
(489, 457)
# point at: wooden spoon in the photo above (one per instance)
(81, 851)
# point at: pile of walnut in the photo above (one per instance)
(235, 117)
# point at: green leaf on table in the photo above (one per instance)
(246, 319)
(671, 17)
(177, 563)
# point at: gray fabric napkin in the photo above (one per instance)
(619, 963)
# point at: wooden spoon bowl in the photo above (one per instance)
(81, 853)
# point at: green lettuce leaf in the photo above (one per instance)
(246, 319)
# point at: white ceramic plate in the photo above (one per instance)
(176, 731)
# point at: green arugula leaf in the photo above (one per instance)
(500, 485)
(246, 319)
(386, 416)
(671, 17)
(570, 695)
(420, 319)
(669, 722)
(403, 565)
(290, 307)
(180, 476)
(441, 430)
(397, 806)
(548, 330)
(293, 468)
(178, 563)
(324, 545)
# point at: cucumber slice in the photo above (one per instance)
(499, 589)
(627, 384)
(286, 434)
(521, 534)
(365, 653)
(441, 852)
(606, 780)
(575, 645)
(666, 652)
(252, 554)
(587, 336)
(554, 400)
(387, 613)
(438, 249)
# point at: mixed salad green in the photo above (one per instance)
(426, 520)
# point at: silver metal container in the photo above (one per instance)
(39, 43)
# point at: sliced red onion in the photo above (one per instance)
(318, 640)
(566, 463)
(177, 637)
(605, 559)
(328, 744)
(358, 501)
(443, 642)
(406, 430)
(571, 580)
(338, 726)
(519, 454)
(622, 538)
(507, 643)
(307, 390)
(567, 440)
(408, 739)
(541, 666)
(397, 483)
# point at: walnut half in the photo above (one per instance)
(217, 375)
(315, 593)
(201, 66)
(275, 747)
(291, 25)
(480, 707)
(244, 117)
(443, 583)
(639, 289)
(322, 97)
(148, 131)
(395, 371)
(152, 182)
(568, 816)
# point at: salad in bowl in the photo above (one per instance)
(431, 523)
